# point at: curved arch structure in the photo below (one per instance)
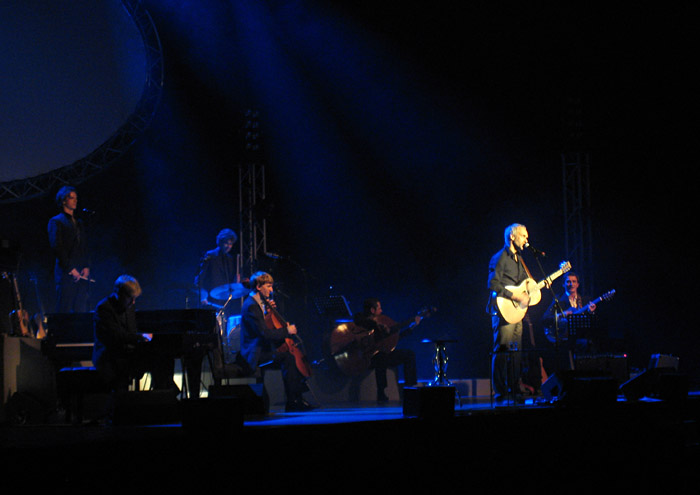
(117, 144)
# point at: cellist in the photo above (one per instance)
(261, 339)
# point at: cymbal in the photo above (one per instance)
(224, 291)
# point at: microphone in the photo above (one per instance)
(534, 250)
(88, 212)
(274, 256)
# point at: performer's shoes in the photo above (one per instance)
(299, 405)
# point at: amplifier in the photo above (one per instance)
(663, 361)
(613, 364)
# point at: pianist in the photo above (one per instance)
(119, 354)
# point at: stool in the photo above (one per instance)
(72, 384)
(440, 364)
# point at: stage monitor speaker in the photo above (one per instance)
(253, 396)
(613, 364)
(429, 402)
(581, 388)
(663, 361)
(661, 383)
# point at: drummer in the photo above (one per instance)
(218, 282)
(218, 277)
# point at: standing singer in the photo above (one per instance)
(507, 268)
(69, 246)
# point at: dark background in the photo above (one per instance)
(399, 140)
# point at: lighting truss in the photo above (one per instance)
(112, 149)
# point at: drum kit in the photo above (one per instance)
(229, 325)
(228, 292)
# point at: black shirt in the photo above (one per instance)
(504, 270)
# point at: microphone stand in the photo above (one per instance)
(556, 307)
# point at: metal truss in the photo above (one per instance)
(577, 218)
(252, 198)
(112, 149)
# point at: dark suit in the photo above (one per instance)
(69, 246)
(259, 343)
(117, 353)
(381, 361)
(218, 268)
(582, 342)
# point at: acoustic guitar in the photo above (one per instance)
(513, 311)
(39, 317)
(353, 346)
(394, 331)
(19, 318)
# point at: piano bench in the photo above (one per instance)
(73, 384)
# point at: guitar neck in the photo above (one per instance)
(18, 298)
(595, 301)
(550, 278)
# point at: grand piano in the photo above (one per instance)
(176, 333)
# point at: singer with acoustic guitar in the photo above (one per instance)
(266, 338)
(69, 246)
(506, 270)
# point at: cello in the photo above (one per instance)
(274, 320)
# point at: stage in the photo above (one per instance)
(644, 444)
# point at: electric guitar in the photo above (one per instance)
(605, 297)
(513, 311)
(550, 333)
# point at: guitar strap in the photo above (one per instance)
(522, 262)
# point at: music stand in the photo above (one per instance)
(334, 307)
(579, 327)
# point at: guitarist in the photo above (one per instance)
(570, 301)
(259, 341)
(372, 318)
(507, 268)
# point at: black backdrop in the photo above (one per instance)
(399, 141)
